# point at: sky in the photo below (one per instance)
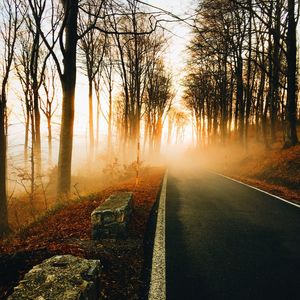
(179, 31)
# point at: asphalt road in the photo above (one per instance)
(227, 241)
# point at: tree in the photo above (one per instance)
(158, 102)
(291, 137)
(33, 68)
(109, 69)
(22, 65)
(68, 37)
(246, 51)
(136, 53)
(93, 45)
(181, 122)
(48, 106)
(9, 28)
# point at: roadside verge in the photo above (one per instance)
(260, 190)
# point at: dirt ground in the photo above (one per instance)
(67, 230)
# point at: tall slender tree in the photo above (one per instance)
(10, 24)
(92, 45)
(291, 137)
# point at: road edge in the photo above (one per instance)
(157, 289)
(255, 188)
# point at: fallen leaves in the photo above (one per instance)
(276, 170)
(68, 230)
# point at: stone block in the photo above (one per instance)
(111, 218)
(64, 277)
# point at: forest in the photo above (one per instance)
(241, 77)
(242, 71)
(102, 96)
(44, 43)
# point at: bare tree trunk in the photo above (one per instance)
(68, 89)
(98, 125)
(170, 130)
(4, 228)
(91, 121)
(193, 129)
(137, 174)
(49, 140)
(34, 66)
(158, 136)
(66, 140)
(37, 130)
(230, 117)
(264, 124)
(146, 130)
(249, 70)
(126, 92)
(240, 99)
(259, 105)
(32, 161)
(9, 35)
(109, 134)
(27, 121)
(224, 105)
(291, 137)
(274, 66)
(97, 90)
(151, 137)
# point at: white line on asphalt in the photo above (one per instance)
(158, 274)
(255, 188)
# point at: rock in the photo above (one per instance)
(64, 277)
(110, 219)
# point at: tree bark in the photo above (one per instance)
(109, 133)
(27, 122)
(49, 140)
(91, 120)
(248, 87)
(4, 228)
(68, 89)
(291, 137)
(240, 98)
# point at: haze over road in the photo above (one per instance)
(225, 240)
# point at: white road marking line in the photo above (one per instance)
(158, 274)
(255, 188)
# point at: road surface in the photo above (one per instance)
(225, 240)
